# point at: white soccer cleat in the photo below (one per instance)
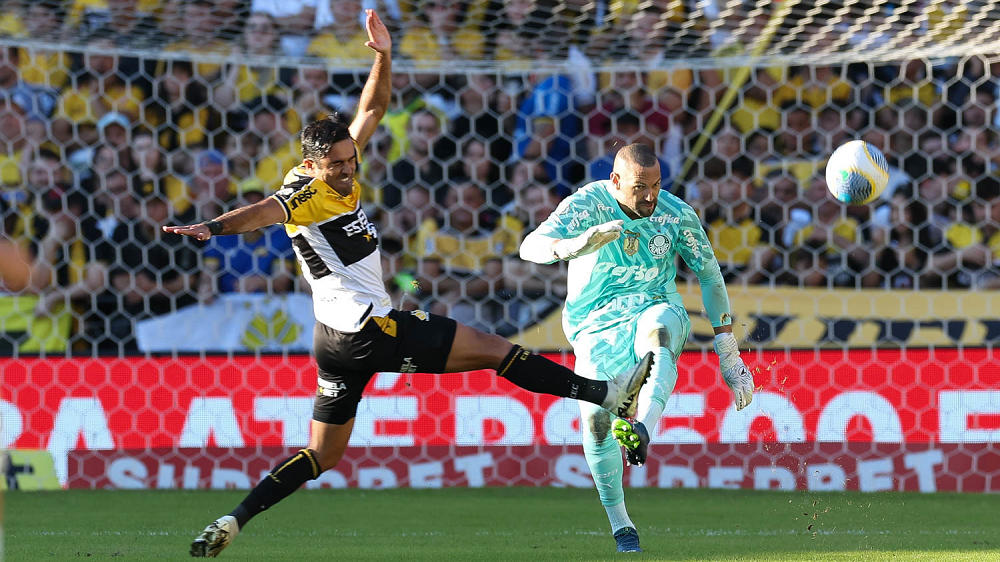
(215, 537)
(624, 389)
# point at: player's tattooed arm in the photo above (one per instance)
(245, 219)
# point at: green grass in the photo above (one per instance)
(509, 524)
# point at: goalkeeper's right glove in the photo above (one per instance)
(588, 242)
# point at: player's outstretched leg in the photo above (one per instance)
(538, 374)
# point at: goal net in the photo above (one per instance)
(136, 359)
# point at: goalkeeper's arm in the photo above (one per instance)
(543, 249)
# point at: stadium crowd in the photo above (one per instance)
(107, 140)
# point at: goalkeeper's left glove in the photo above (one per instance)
(734, 371)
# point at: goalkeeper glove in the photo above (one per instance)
(734, 371)
(588, 242)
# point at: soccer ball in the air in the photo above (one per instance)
(857, 173)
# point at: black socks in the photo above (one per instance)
(538, 374)
(276, 486)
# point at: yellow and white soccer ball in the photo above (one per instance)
(857, 173)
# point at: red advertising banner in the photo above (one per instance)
(901, 398)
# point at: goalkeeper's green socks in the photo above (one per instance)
(287, 477)
(604, 457)
(538, 374)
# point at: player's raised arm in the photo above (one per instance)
(568, 233)
(377, 93)
(245, 219)
(696, 251)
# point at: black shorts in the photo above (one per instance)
(400, 342)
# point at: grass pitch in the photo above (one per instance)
(509, 524)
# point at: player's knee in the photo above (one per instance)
(658, 337)
(598, 423)
(326, 458)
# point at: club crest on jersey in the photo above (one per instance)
(631, 242)
(659, 245)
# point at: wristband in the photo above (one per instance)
(215, 227)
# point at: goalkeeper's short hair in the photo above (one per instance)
(639, 154)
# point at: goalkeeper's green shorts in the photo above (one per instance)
(606, 354)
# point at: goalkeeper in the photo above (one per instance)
(622, 236)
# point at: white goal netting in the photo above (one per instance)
(119, 116)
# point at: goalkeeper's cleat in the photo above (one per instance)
(624, 389)
(634, 437)
(627, 539)
(215, 537)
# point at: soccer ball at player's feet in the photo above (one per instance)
(623, 390)
(627, 540)
(215, 537)
(857, 173)
(634, 437)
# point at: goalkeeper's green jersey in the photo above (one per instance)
(615, 283)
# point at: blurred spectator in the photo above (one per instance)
(476, 165)
(37, 102)
(400, 280)
(211, 189)
(281, 147)
(797, 136)
(198, 37)
(41, 66)
(440, 34)
(70, 252)
(547, 128)
(155, 273)
(374, 168)
(345, 38)
(817, 86)
(243, 83)
(836, 235)
(901, 253)
(13, 136)
(132, 21)
(461, 255)
(98, 89)
(153, 172)
(480, 117)
(313, 98)
(732, 227)
(528, 291)
(627, 93)
(760, 102)
(181, 111)
(260, 261)
(912, 80)
(295, 19)
(645, 43)
(242, 151)
(417, 167)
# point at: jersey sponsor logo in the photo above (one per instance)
(301, 197)
(361, 225)
(691, 243)
(603, 207)
(578, 218)
(659, 245)
(631, 242)
(331, 389)
(408, 366)
(626, 273)
(666, 219)
(420, 314)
